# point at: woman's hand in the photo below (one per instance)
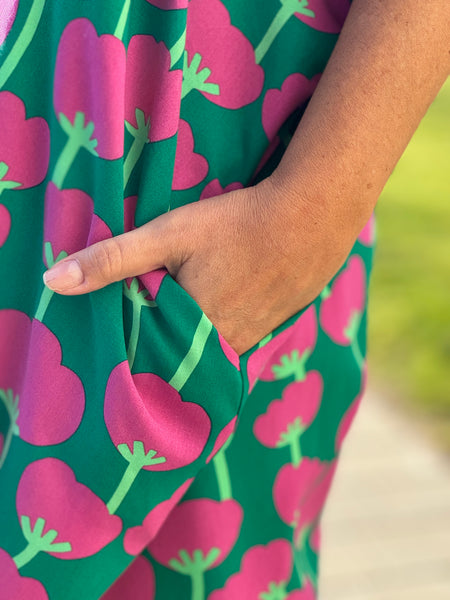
(247, 258)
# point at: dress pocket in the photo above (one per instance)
(180, 343)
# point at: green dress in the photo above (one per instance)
(141, 456)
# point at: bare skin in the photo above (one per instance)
(251, 258)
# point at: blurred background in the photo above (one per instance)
(386, 525)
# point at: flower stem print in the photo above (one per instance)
(264, 574)
(286, 354)
(56, 514)
(285, 12)
(195, 78)
(47, 293)
(155, 429)
(138, 298)
(10, 402)
(222, 472)
(150, 116)
(343, 304)
(285, 420)
(78, 136)
(22, 42)
(198, 535)
(88, 94)
(140, 135)
(229, 79)
(38, 541)
(177, 50)
(193, 355)
(121, 23)
(302, 558)
(5, 184)
(24, 145)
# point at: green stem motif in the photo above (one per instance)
(193, 79)
(121, 23)
(194, 354)
(222, 475)
(11, 404)
(351, 333)
(198, 585)
(140, 134)
(176, 52)
(292, 364)
(22, 42)
(4, 183)
(37, 541)
(277, 591)
(195, 566)
(302, 560)
(288, 8)
(137, 459)
(138, 300)
(79, 136)
(47, 293)
(291, 437)
(325, 293)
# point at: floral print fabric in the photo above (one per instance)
(140, 456)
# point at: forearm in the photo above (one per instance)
(390, 61)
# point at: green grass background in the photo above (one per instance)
(409, 307)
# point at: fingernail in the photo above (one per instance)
(64, 276)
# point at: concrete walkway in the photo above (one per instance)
(386, 525)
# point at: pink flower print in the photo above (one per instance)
(70, 223)
(169, 4)
(7, 16)
(299, 492)
(152, 88)
(342, 306)
(152, 96)
(152, 281)
(16, 587)
(197, 536)
(155, 429)
(285, 420)
(367, 235)
(136, 583)
(347, 419)
(329, 15)
(88, 96)
(231, 79)
(24, 145)
(279, 104)
(136, 538)
(36, 383)
(265, 571)
(213, 188)
(190, 168)
(285, 354)
(5, 224)
(156, 416)
(223, 438)
(59, 515)
(48, 384)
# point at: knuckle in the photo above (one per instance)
(106, 260)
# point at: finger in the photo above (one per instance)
(144, 249)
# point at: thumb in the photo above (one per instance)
(146, 248)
